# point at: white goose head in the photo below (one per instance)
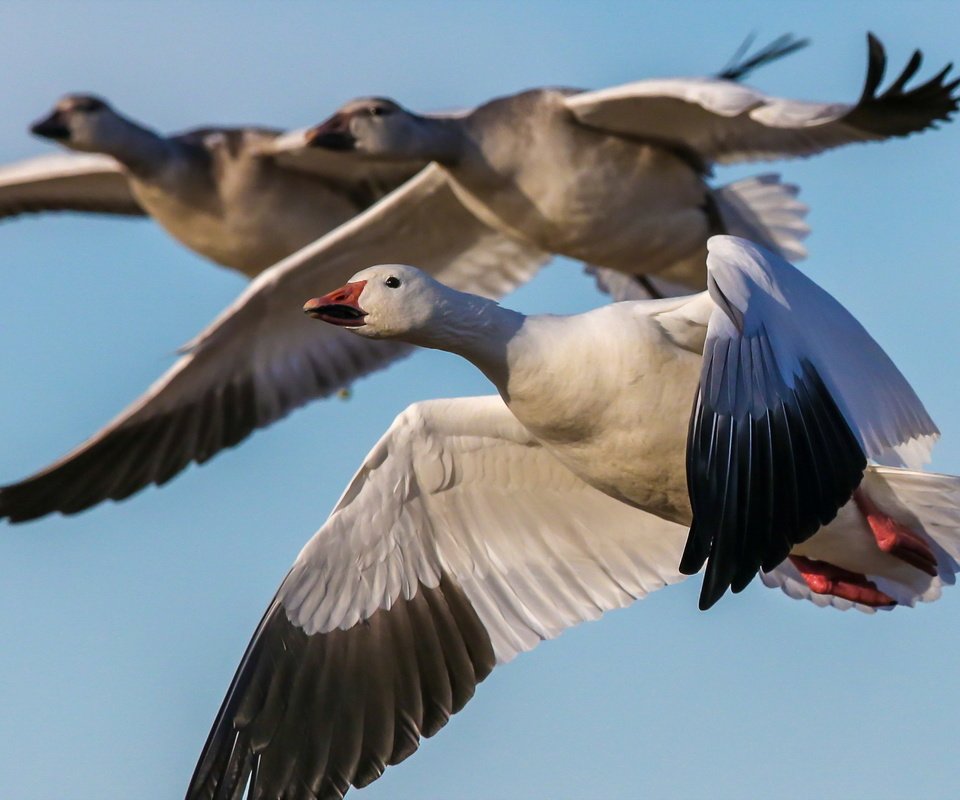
(380, 128)
(83, 122)
(393, 301)
(390, 301)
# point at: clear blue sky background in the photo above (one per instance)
(122, 627)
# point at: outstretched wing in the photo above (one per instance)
(721, 120)
(66, 182)
(459, 543)
(262, 358)
(794, 397)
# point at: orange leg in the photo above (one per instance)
(894, 538)
(824, 578)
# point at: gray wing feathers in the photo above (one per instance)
(184, 419)
(82, 183)
(323, 712)
(426, 574)
(723, 121)
(261, 358)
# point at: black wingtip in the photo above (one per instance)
(333, 709)
(709, 598)
(876, 67)
(899, 111)
(739, 66)
(695, 552)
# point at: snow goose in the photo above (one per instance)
(784, 417)
(616, 177)
(242, 197)
(477, 528)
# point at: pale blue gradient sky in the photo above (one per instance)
(122, 627)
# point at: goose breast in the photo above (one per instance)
(580, 192)
(241, 210)
(621, 423)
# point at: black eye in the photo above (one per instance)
(392, 282)
(375, 111)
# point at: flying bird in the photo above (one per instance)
(791, 396)
(616, 178)
(243, 197)
(478, 527)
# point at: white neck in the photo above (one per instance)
(475, 328)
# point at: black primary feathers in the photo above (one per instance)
(896, 112)
(309, 716)
(767, 464)
(739, 67)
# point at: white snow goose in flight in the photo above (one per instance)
(791, 397)
(599, 178)
(476, 527)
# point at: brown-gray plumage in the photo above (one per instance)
(239, 196)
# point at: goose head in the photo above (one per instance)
(390, 301)
(393, 301)
(81, 122)
(380, 128)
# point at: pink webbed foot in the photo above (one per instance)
(824, 578)
(896, 539)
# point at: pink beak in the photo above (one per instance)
(340, 307)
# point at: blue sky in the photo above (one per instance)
(122, 627)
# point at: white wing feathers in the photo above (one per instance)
(66, 182)
(459, 488)
(766, 211)
(724, 121)
(459, 543)
(261, 357)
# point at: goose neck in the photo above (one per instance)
(477, 329)
(141, 150)
(443, 137)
